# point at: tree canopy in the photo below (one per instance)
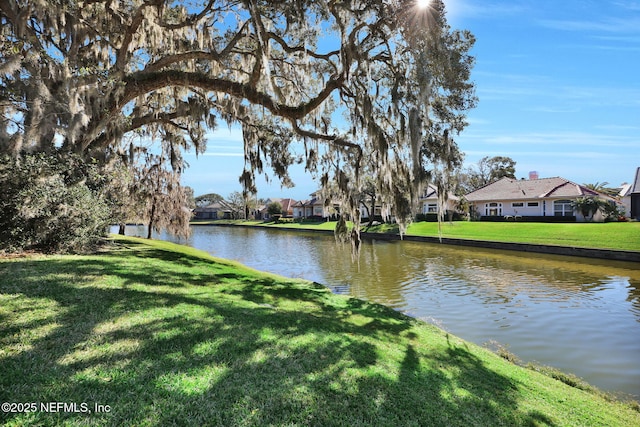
(274, 208)
(207, 199)
(325, 83)
(487, 170)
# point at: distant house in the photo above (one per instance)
(510, 198)
(429, 201)
(625, 198)
(303, 209)
(632, 197)
(217, 210)
(312, 208)
(287, 207)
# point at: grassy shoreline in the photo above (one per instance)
(613, 235)
(165, 334)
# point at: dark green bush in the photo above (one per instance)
(51, 203)
(433, 217)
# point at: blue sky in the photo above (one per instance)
(558, 84)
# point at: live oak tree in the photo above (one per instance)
(237, 204)
(326, 83)
(368, 198)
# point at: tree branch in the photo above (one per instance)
(186, 56)
(123, 51)
(332, 139)
(140, 83)
(190, 19)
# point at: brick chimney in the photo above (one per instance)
(533, 175)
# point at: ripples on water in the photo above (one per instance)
(581, 316)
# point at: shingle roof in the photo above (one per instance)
(215, 206)
(513, 189)
(314, 201)
(287, 204)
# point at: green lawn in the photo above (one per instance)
(611, 235)
(167, 335)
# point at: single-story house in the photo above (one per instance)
(429, 201)
(510, 198)
(216, 210)
(630, 196)
(309, 208)
(287, 207)
(313, 208)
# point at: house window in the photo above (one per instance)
(562, 208)
(533, 204)
(493, 209)
(430, 208)
(517, 204)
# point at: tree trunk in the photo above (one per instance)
(151, 220)
(121, 229)
(372, 212)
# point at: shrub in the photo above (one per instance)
(433, 217)
(276, 217)
(611, 211)
(51, 203)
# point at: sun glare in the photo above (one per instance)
(423, 4)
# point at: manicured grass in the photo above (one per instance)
(611, 235)
(167, 335)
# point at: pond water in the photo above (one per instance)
(581, 316)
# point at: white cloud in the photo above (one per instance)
(629, 5)
(233, 133)
(554, 110)
(540, 87)
(615, 48)
(614, 127)
(610, 25)
(581, 139)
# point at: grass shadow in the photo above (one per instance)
(166, 339)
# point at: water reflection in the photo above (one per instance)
(581, 316)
